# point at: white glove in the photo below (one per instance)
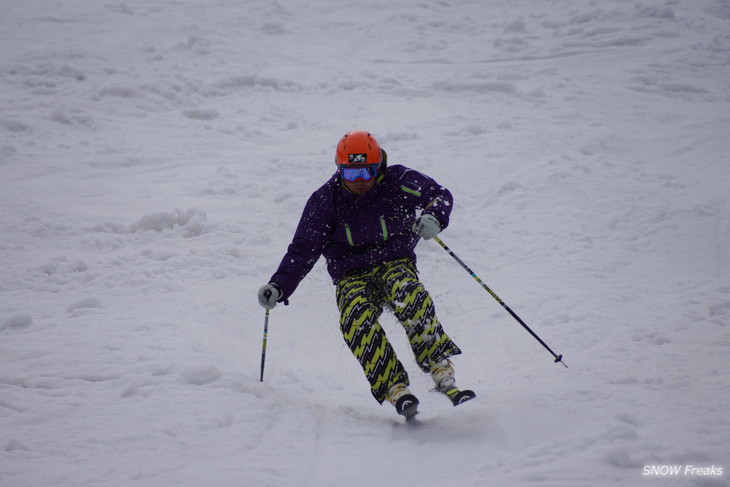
(269, 295)
(427, 226)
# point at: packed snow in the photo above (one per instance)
(156, 156)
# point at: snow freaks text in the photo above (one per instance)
(682, 471)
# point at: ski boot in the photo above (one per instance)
(406, 404)
(442, 374)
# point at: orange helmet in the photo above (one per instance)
(358, 147)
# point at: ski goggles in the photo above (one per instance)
(364, 173)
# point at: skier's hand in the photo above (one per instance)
(427, 226)
(269, 295)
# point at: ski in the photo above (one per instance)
(458, 396)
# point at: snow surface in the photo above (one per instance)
(155, 156)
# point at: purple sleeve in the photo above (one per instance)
(310, 239)
(436, 199)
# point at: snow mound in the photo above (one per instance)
(201, 374)
(17, 321)
(86, 303)
(190, 223)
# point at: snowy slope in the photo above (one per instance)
(155, 157)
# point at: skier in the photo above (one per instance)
(366, 220)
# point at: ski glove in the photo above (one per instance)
(269, 295)
(427, 226)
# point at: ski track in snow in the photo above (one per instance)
(155, 160)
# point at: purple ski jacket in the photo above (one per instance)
(355, 231)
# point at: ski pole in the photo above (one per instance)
(263, 349)
(558, 358)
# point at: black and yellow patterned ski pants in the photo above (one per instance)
(361, 296)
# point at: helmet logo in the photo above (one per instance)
(358, 158)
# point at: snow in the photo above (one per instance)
(155, 158)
